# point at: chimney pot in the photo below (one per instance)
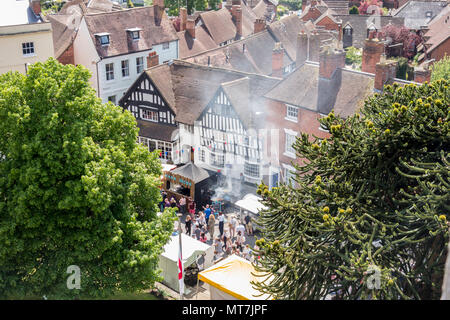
(236, 13)
(277, 60)
(152, 59)
(190, 27)
(259, 25)
(372, 52)
(159, 3)
(183, 19)
(421, 75)
(383, 72)
(302, 48)
(329, 61)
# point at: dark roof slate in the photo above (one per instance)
(117, 22)
(414, 12)
(188, 87)
(345, 92)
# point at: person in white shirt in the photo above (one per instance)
(232, 225)
(247, 252)
(240, 228)
(240, 240)
(221, 223)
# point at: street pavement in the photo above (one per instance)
(249, 239)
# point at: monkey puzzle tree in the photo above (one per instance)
(368, 217)
(75, 189)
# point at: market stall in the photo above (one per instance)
(192, 250)
(230, 279)
(189, 181)
(250, 204)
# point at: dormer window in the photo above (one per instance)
(428, 14)
(134, 33)
(103, 38)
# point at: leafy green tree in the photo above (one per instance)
(354, 10)
(353, 57)
(368, 219)
(441, 69)
(75, 189)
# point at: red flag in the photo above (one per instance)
(180, 270)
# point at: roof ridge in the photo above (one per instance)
(201, 66)
(118, 11)
(251, 36)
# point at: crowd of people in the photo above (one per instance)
(200, 224)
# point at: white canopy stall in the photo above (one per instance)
(250, 203)
(192, 249)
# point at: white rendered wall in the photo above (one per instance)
(84, 52)
(120, 85)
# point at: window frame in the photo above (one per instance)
(291, 117)
(104, 37)
(248, 166)
(133, 35)
(28, 46)
(140, 65)
(153, 115)
(126, 68)
(289, 148)
(110, 72)
(112, 99)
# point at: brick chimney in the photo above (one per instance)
(236, 13)
(152, 59)
(422, 74)
(35, 6)
(302, 48)
(372, 51)
(158, 11)
(384, 70)
(277, 60)
(159, 3)
(313, 47)
(190, 27)
(183, 19)
(329, 61)
(260, 25)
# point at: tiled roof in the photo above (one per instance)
(189, 46)
(64, 28)
(338, 6)
(252, 54)
(360, 24)
(263, 10)
(415, 12)
(286, 30)
(219, 24)
(345, 92)
(117, 22)
(66, 22)
(155, 130)
(188, 87)
(438, 30)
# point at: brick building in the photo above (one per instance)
(312, 91)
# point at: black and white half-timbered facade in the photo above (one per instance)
(182, 105)
(225, 141)
(155, 119)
